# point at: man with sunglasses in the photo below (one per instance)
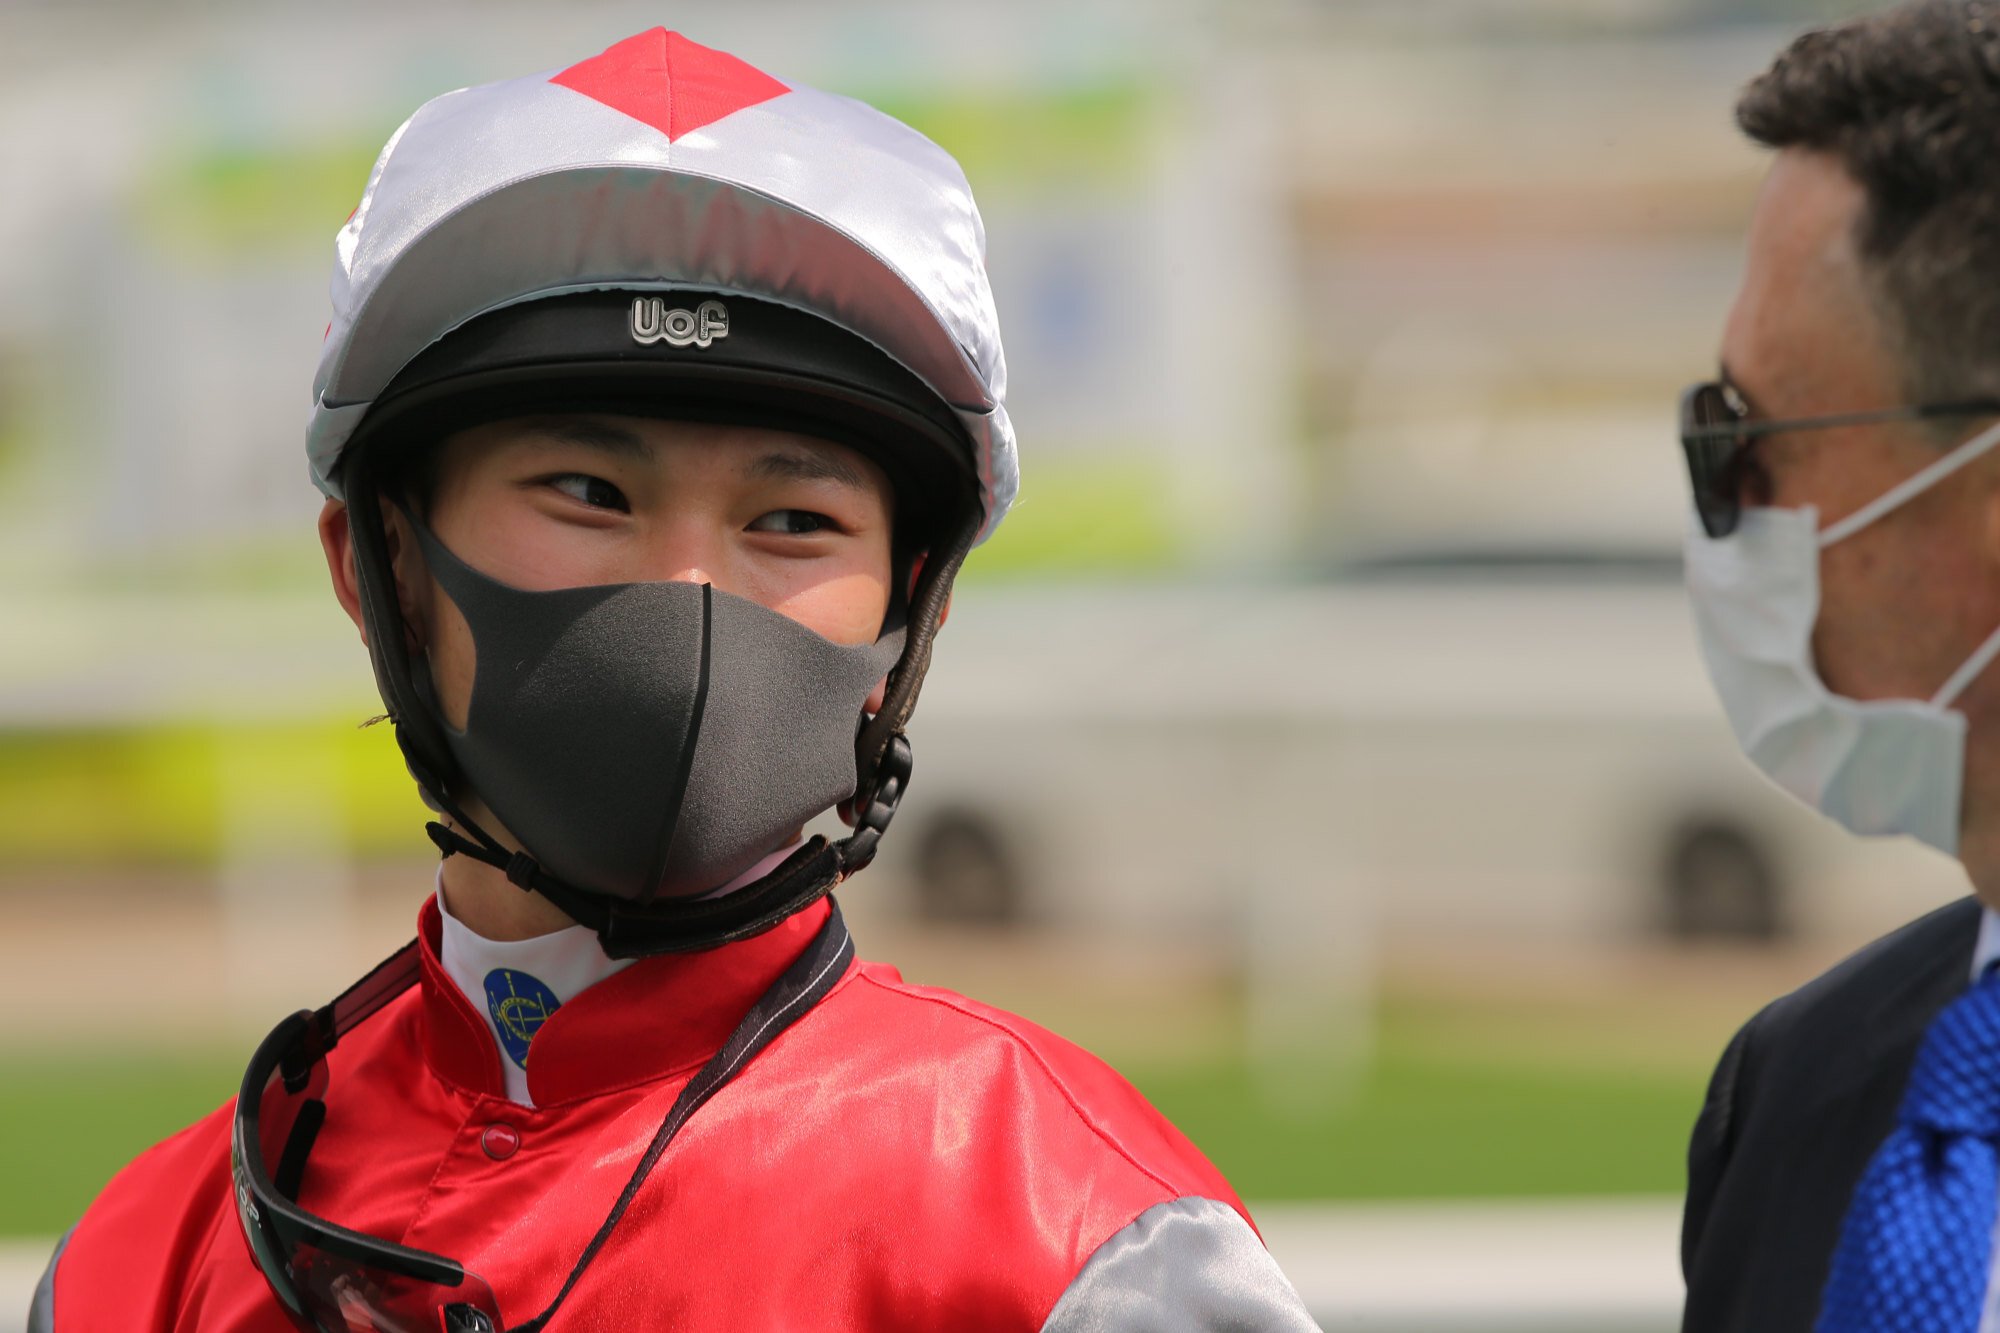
(1844, 568)
(661, 403)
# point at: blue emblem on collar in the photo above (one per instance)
(520, 1004)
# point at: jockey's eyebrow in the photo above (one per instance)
(607, 436)
(806, 465)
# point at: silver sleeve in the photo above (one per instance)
(42, 1309)
(1185, 1266)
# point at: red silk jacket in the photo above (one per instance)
(900, 1158)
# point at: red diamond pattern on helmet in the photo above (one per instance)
(664, 80)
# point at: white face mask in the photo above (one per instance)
(1880, 767)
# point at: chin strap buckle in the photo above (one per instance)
(522, 870)
(892, 778)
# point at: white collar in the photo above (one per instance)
(552, 968)
(555, 966)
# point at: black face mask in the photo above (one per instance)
(652, 739)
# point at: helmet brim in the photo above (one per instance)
(775, 367)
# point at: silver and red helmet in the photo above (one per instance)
(664, 229)
(661, 166)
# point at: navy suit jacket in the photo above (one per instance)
(1800, 1101)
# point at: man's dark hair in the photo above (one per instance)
(1909, 101)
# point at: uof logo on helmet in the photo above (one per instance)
(653, 321)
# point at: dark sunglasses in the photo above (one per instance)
(333, 1280)
(327, 1277)
(1716, 435)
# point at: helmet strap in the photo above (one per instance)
(874, 744)
(419, 729)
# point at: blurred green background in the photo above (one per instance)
(1439, 1113)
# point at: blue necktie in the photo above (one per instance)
(1916, 1247)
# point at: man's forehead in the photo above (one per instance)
(1804, 225)
(1803, 310)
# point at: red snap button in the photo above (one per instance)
(500, 1141)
